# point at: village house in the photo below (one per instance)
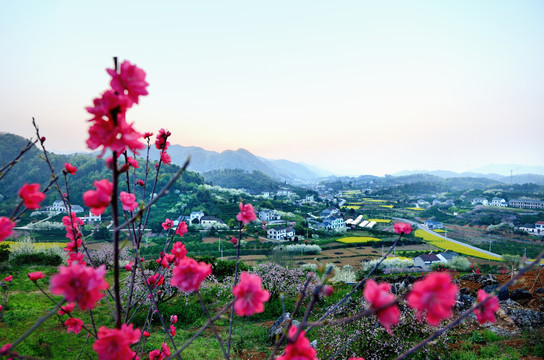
(196, 215)
(499, 202)
(58, 206)
(209, 221)
(280, 233)
(432, 225)
(447, 256)
(268, 215)
(479, 200)
(539, 228)
(91, 218)
(424, 261)
(526, 203)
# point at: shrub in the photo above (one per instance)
(389, 263)
(299, 249)
(37, 259)
(4, 252)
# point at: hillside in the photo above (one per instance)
(204, 161)
(254, 182)
(33, 169)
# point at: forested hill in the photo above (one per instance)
(31, 168)
(254, 182)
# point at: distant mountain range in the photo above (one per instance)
(204, 161)
(514, 179)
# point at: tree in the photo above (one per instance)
(511, 262)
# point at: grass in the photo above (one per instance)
(357, 239)
(449, 245)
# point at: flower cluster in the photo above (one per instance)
(114, 344)
(109, 128)
(82, 284)
(250, 297)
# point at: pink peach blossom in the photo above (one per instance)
(114, 344)
(167, 224)
(181, 229)
(70, 169)
(98, 200)
(435, 295)
(128, 201)
(130, 80)
(378, 296)
(82, 284)
(188, 274)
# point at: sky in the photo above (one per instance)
(354, 87)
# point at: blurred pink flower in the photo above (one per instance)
(488, 310)
(66, 308)
(402, 228)
(250, 296)
(74, 325)
(35, 276)
(300, 349)
(165, 158)
(31, 195)
(6, 228)
(246, 213)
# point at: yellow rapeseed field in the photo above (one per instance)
(374, 200)
(448, 245)
(416, 209)
(354, 207)
(387, 206)
(40, 245)
(386, 221)
(357, 239)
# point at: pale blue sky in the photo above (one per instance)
(356, 87)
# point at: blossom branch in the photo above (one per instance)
(212, 325)
(361, 283)
(469, 311)
(201, 330)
